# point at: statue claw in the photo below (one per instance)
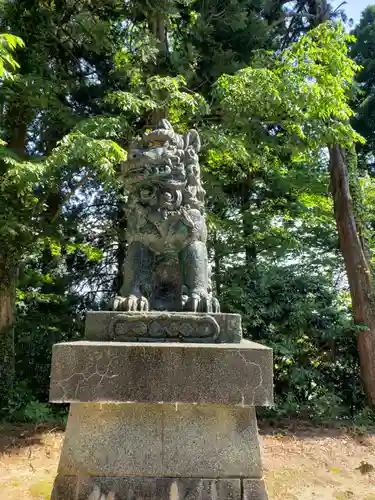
(215, 305)
(116, 304)
(209, 305)
(143, 304)
(200, 303)
(130, 303)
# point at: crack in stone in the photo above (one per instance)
(247, 363)
(84, 377)
(104, 364)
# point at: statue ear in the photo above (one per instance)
(192, 139)
(164, 124)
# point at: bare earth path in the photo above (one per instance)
(301, 463)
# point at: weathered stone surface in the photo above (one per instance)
(161, 440)
(237, 374)
(254, 489)
(146, 488)
(65, 487)
(156, 488)
(211, 441)
(112, 440)
(166, 266)
(162, 402)
(159, 326)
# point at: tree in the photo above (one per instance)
(299, 105)
(115, 68)
(236, 165)
(345, 185)
(52, 91)
(8, 43)
(348, 221)
(68, 75)
(357, 265)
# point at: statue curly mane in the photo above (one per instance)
(167, 265)
(169, 161)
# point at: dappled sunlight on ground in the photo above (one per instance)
(320, 464)
(301, 463)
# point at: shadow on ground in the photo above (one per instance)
(301, 462)
(13, 437)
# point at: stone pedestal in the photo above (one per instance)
(160, 420)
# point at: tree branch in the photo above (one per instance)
(70, 195)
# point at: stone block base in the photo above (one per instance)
(157, 488)
(154, 440)
(146, 372)
(158, 420)
(156, 451)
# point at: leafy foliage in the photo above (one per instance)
(91, 77)
(8, 44)
(298, 101)
(295, 310)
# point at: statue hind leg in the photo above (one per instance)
(137, 274)
(194, 273)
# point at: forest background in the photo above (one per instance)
(284, 99)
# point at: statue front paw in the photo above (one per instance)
(200, 302)
(130, 303)
(215, 305)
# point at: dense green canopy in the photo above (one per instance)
(271, 86)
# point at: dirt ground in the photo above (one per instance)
(301, 463)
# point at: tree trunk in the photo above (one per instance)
(357, 268)
(157, 27)
(7, 302)
(16, 120)
(16, 126)
(247, 224)
(122, 246)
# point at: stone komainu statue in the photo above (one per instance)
(166, 266)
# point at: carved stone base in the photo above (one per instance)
(163, 327)
(155, 451)
(157, 488)
(161, 420)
